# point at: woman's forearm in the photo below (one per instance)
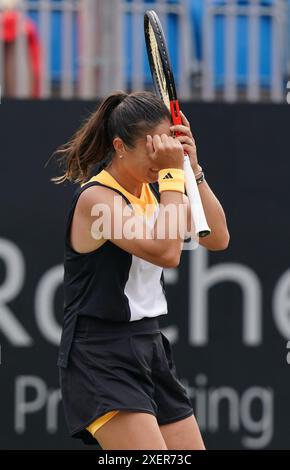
(216, 219)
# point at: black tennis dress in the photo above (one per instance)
(113, 355)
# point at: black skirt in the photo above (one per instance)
(120, 366)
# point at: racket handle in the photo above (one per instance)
(198, 215)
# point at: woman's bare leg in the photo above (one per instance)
(131, 430)
(182, 434)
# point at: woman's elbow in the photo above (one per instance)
(221, 243)
(171, 259)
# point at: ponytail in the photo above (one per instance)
(90, 145)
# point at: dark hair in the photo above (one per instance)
(128, 116)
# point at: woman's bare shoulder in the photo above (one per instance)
(96, 195)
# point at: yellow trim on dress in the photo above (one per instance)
(95, 425)
(147, 202)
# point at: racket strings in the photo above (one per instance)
(159, 75)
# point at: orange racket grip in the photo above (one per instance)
(176, 117)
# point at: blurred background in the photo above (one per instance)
(229, 312)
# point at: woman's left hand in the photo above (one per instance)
(187, 141)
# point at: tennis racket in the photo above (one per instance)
(164, 85)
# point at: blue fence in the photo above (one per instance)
(196, 12)
(241, 40)
(55, 49)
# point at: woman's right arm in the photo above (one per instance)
(161, 245)
(105, 211)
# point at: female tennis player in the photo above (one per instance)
(118, 377)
